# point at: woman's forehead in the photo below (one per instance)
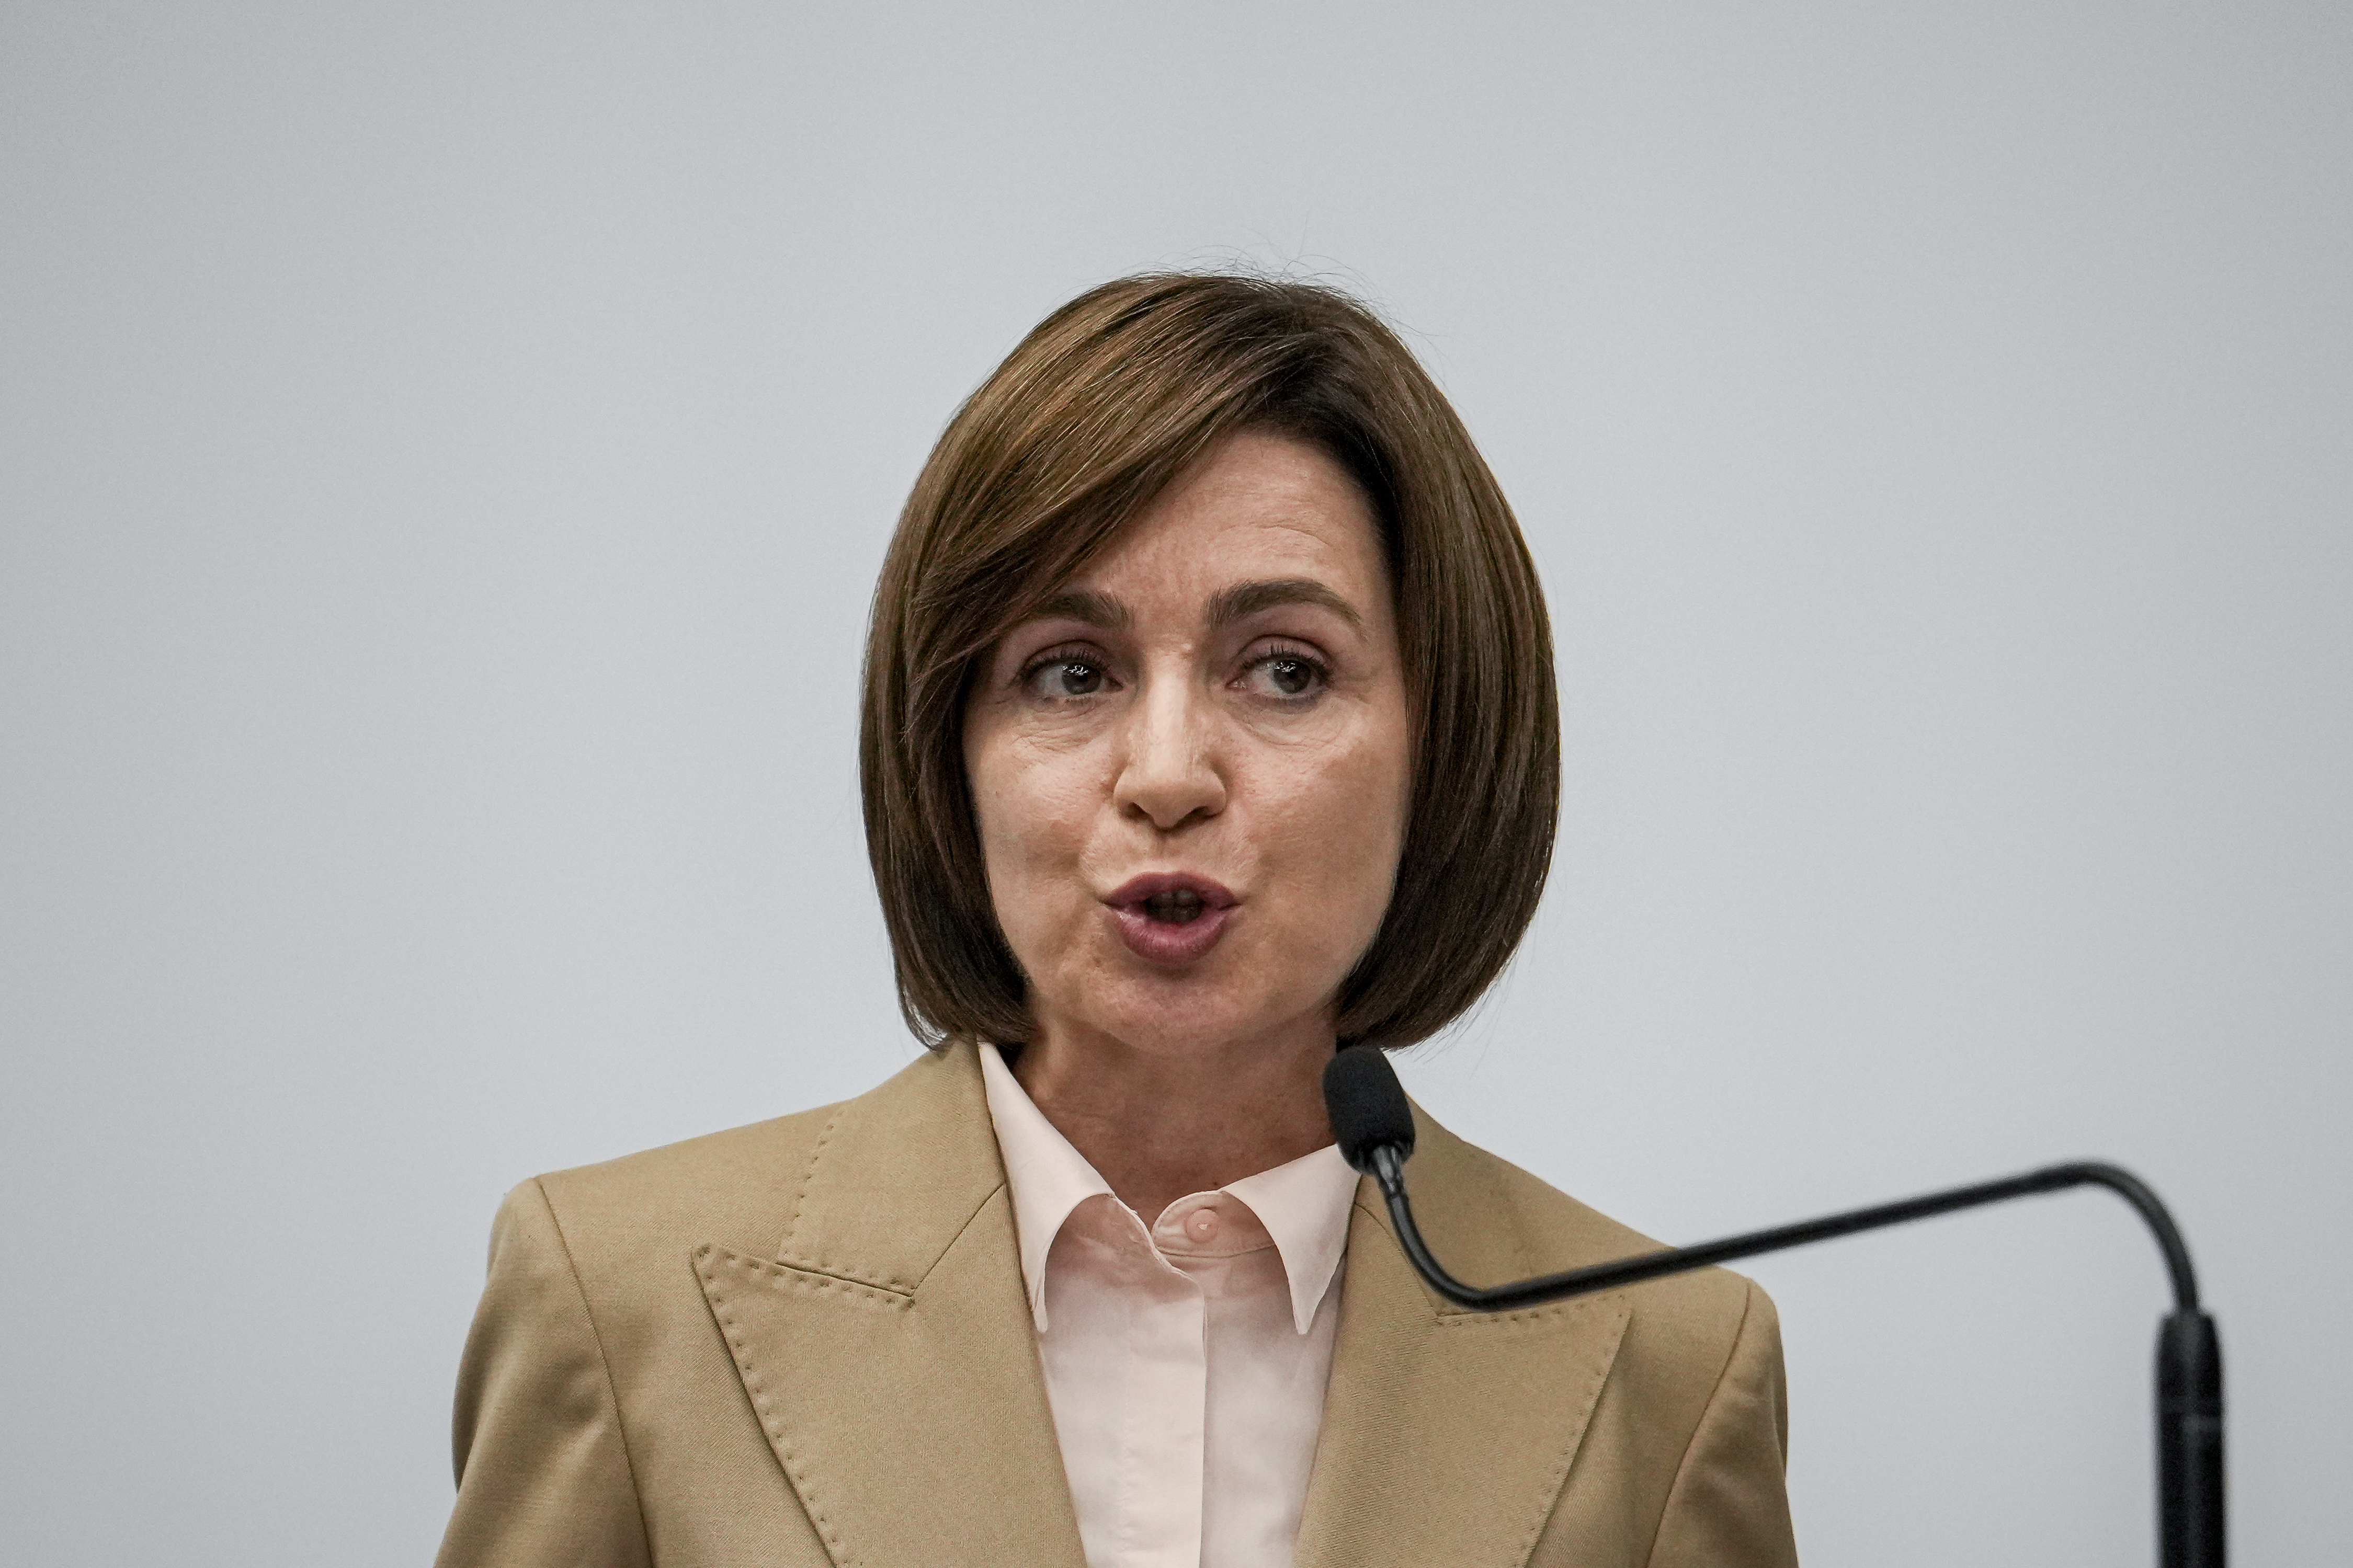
(1259, 509)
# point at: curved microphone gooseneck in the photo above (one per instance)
(1372, 1121)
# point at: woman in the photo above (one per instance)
(1208, 722)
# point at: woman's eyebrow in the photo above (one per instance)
(1084, 605)
(1244, 599)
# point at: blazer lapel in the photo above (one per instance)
(1447, 1434)
(888, 1347)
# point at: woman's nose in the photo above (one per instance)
(1169, 773)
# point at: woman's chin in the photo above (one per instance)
(1248, 985)
(1161, 1013)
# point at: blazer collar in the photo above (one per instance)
(888, 1351)
(1447, 1433)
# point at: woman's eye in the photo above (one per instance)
(1066, 678)
(1287, 675)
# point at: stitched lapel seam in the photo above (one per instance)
(787, 1253)
(1558, 1477)
(857, 1284)
(890, 1283)
(830, 1366)
(711, 1261)
(1552, 1311)
(1450, 1315)
(1586, 1329)
(808, 1175)
(888, 1258)
(1442, 1309)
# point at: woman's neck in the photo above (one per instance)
(1159, 1125)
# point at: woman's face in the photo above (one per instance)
(1191, 764)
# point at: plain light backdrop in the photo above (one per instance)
(445, 449)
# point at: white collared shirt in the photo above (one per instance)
(1185, 1359)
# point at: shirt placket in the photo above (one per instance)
(1162, 1453)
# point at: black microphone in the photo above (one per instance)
(1373, 1123)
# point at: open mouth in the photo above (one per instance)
(1170, 919)
(1177, 906)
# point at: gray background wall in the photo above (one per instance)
(444, 454)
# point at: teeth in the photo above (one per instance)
(1177, 906)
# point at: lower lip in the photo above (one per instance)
(1167, 943)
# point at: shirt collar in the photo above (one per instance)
(1048, 1177)
(1303, 1204)
(1305, 1207)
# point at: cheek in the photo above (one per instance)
(1033, 810)
(1343, 825)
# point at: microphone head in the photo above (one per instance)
(1367, 1104)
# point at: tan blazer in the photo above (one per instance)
(806, 1343)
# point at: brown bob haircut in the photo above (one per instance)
(1086, 422)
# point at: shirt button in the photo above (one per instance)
(1201, 1224)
